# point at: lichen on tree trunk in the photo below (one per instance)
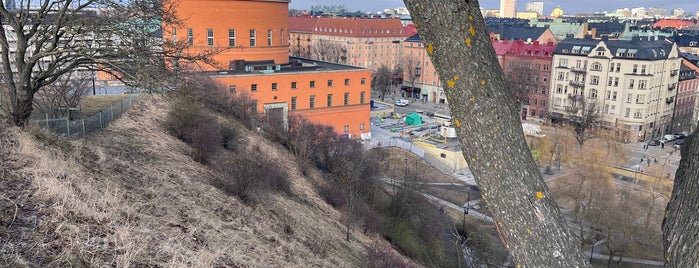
(681, 223)
(488, 128)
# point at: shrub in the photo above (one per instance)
(229, 134)
(250, 176)
(379, 256)
(184, 115)
(205, 139)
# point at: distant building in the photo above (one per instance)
(561, 28)
(364, 42)
(508, 8)
(490, 13)
(526, 33)
(557, 12)
(255, 60)
(682, 118)
(632, 82)
(536, 6)
(528, 68)
(673, 23)
(527, 15)
(657, 12)
(639, 12)
(679, 13)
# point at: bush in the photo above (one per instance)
(205, 139)
(379, 256)
(250, 177)
(229, 134)
(184, 116)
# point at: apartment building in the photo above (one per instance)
(633, 82)
(682, 118)
(364, 42)
(527, 66)
(508, 8)
(420, 79)
(255, 59)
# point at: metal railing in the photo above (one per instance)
(94, 122)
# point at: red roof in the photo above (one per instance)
(520, 48)
(302, 23)
(359, 27)
(673, 23)
(410, 30)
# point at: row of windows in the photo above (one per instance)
(294, 85)
(329, 100)
(231, 37)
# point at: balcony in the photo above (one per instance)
(571, 109)
(578, 70)
(674, 72)
(669, 99)
(576, 83)
(671, 86)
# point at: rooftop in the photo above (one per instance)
(296, 65)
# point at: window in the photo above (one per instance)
(312, 84)
(563, 62)
(543, 90)
(231, 88)
(346, 99)
(346, 81)
(611, 109)
(593, 94)
(561, 76)
(594, 80)
(361, 126)
(363, 81)
(610, 81)
(637, 113)
(559, 89)
(253, 37)
(627, 112)
(330, 83)
(362, 96)
(546, 78)
(640, 99)
(546, 67)
(275, 87)
(210, 37)
(631, 83)
(253, 106)
(642, 84)
(330, 100)
(596, 66)
(269, 38)
(253, 87)
(616, 81)
(643, 69)
(609, 94)
(174, 34)
(312, 101)
(293, 85)
(190, 36)
(293, 103)
(557, 102)
(628, 98)
(231, 37)
(346, 128)
(606, 109)
(618, 67)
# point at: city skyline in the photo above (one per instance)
(690, 6)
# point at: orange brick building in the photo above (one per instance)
(254, 38)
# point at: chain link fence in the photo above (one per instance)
(97, 121)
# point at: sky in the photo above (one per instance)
(569, 6)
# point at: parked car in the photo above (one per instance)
(678, 143)
(402, 102)
(654, 143)
(668, 138)
(679, 136)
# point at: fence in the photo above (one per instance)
(89, 124)
(397, 143)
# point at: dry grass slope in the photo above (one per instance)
(130, 195)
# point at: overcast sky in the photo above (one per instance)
(570, 7)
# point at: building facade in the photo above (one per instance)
(364, 42)
(682, 118)
(255, 59)
(508, 8)
(536, 6)
(527, 66)
(633, 83)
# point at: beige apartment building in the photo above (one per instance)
(508, 8)
(634, 84)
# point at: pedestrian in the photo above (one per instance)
(655, 160)
(662, 145)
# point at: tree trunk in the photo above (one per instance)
(22, 106)
(681, 223)
(483, 111)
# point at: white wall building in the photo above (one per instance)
(633, 82)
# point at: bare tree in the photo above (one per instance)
(524, 211)
(411, 70)
(325, 50)
(585, 115)
(530, 224)
(44, 40)
(382, 81)
(56, 99)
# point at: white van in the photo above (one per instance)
(669, 137)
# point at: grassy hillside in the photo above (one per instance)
(131, 195)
